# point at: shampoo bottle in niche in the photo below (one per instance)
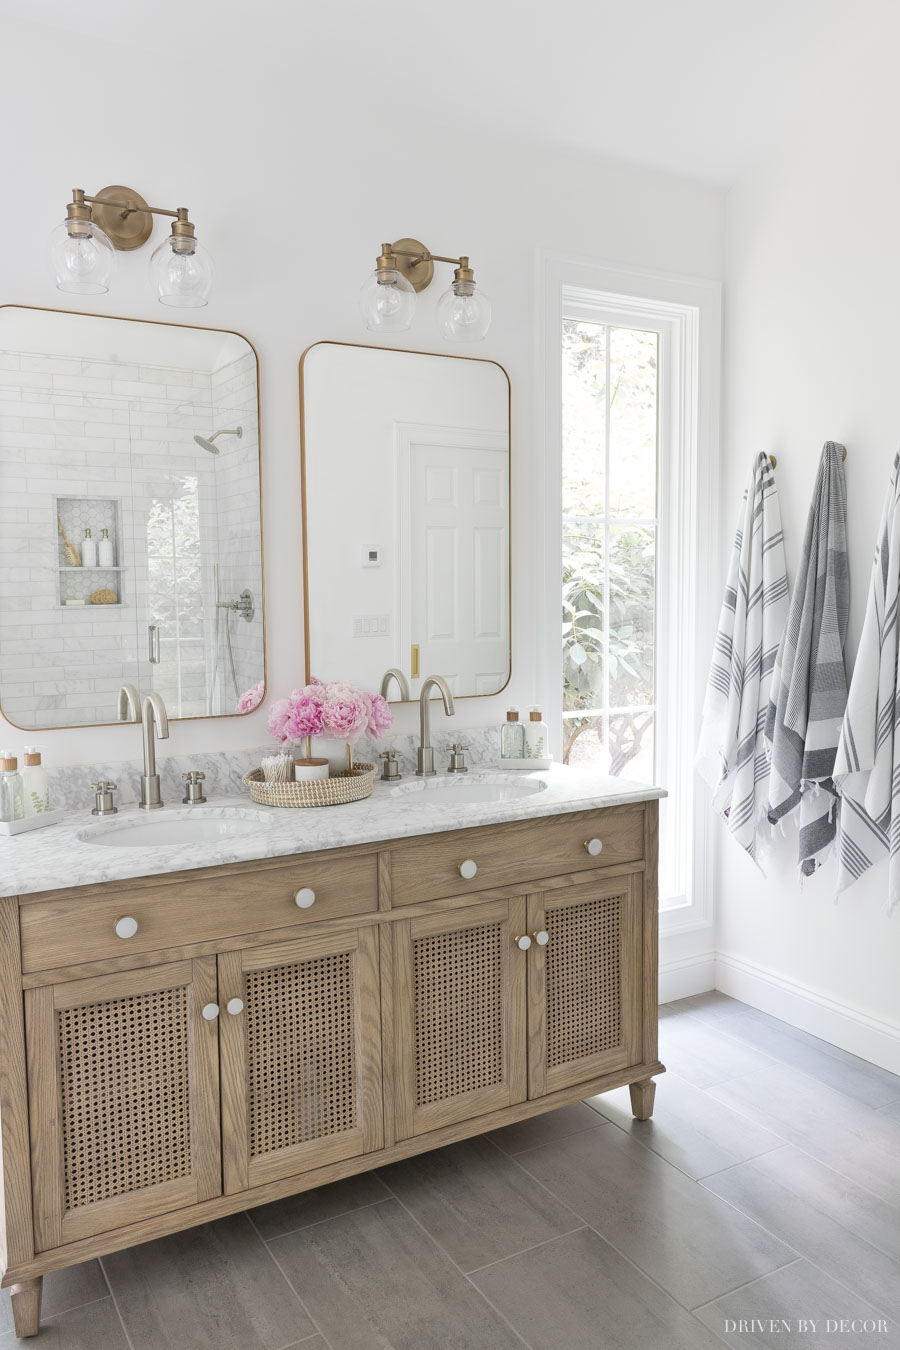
(105, 555)
(12, 797)
(536, 734)
(88, 550)
(35, 783)
(512, 736)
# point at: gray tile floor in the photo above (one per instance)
(759, 1207)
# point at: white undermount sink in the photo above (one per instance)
(174, 829)
(470, 790)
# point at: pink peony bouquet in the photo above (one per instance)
(337, 710)
(251, 699)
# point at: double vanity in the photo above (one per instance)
(206, 1007)
(203, 1009)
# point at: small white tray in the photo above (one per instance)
(533, 764)
(31, 822)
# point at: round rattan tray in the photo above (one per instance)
(338, 790)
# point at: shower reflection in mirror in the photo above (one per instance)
(146, 435)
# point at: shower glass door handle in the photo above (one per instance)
(153, 643)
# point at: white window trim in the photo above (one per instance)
(689, 313)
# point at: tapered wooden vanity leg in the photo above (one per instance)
(642, 1095)
(26, 1305)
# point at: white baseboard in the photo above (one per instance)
(690, 975)
(852, 1030)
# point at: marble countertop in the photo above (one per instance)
(55, 857)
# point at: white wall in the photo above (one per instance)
(293, 187)
(811, 347)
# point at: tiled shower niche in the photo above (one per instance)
(78, 584)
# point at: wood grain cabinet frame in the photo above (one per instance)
(123, 1086)
(236, 1049)
(459, 1015)
(301, 1056)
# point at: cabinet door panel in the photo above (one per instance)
(584, 995)
(124, 1098)
(459, 1008)
(301, 1060)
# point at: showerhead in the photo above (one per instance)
(207, 444)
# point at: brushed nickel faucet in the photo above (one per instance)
(154, 717)
(425, 754)
(402, 684)
(128, 708)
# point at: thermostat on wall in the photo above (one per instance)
(371, 556)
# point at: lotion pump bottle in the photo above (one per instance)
(105, 553)
(536, 734)
(512, 736)
(35, 783)
(12, 798)
(88, 550)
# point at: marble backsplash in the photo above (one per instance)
(70, 785)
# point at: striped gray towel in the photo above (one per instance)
(731, 755)
(809, 685)
(867, 767)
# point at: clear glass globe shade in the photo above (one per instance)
(183, 280)
(387, 302)
(463, 313)
(82, 262)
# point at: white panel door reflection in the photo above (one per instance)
(454, 542)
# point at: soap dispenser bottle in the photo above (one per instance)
(105, 554)
(35, 783)
(536, 733)
(88, 550)
(512, 736)
(12, 797)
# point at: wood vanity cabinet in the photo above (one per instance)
(262, 1028)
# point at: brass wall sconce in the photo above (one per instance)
(83, 248)
(388, 298)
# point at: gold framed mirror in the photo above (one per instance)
(131, 483)
(406, 517)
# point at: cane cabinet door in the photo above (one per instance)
(301, 1055)
(123, 1078)
(584, 990)
(459, 1007)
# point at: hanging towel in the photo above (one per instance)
(731, 755)
(867, 767)
(808, 696)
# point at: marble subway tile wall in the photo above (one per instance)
(93, 434)
(63, 434)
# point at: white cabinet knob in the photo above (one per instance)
(126, 927)
(468, 869)
(305, 898)
(594, 846)
(234, 1006)
(542, 938)
(523, 942)
(210, 1011)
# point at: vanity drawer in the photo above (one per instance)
(66, 932)
(523, 851)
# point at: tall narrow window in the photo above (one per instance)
(631, 420)
(610, 419)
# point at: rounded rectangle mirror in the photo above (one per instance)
(406, 476)
(132, 532)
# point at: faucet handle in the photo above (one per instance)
(458, 758)
(193, 790)
(104, 804)
(391, 771)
